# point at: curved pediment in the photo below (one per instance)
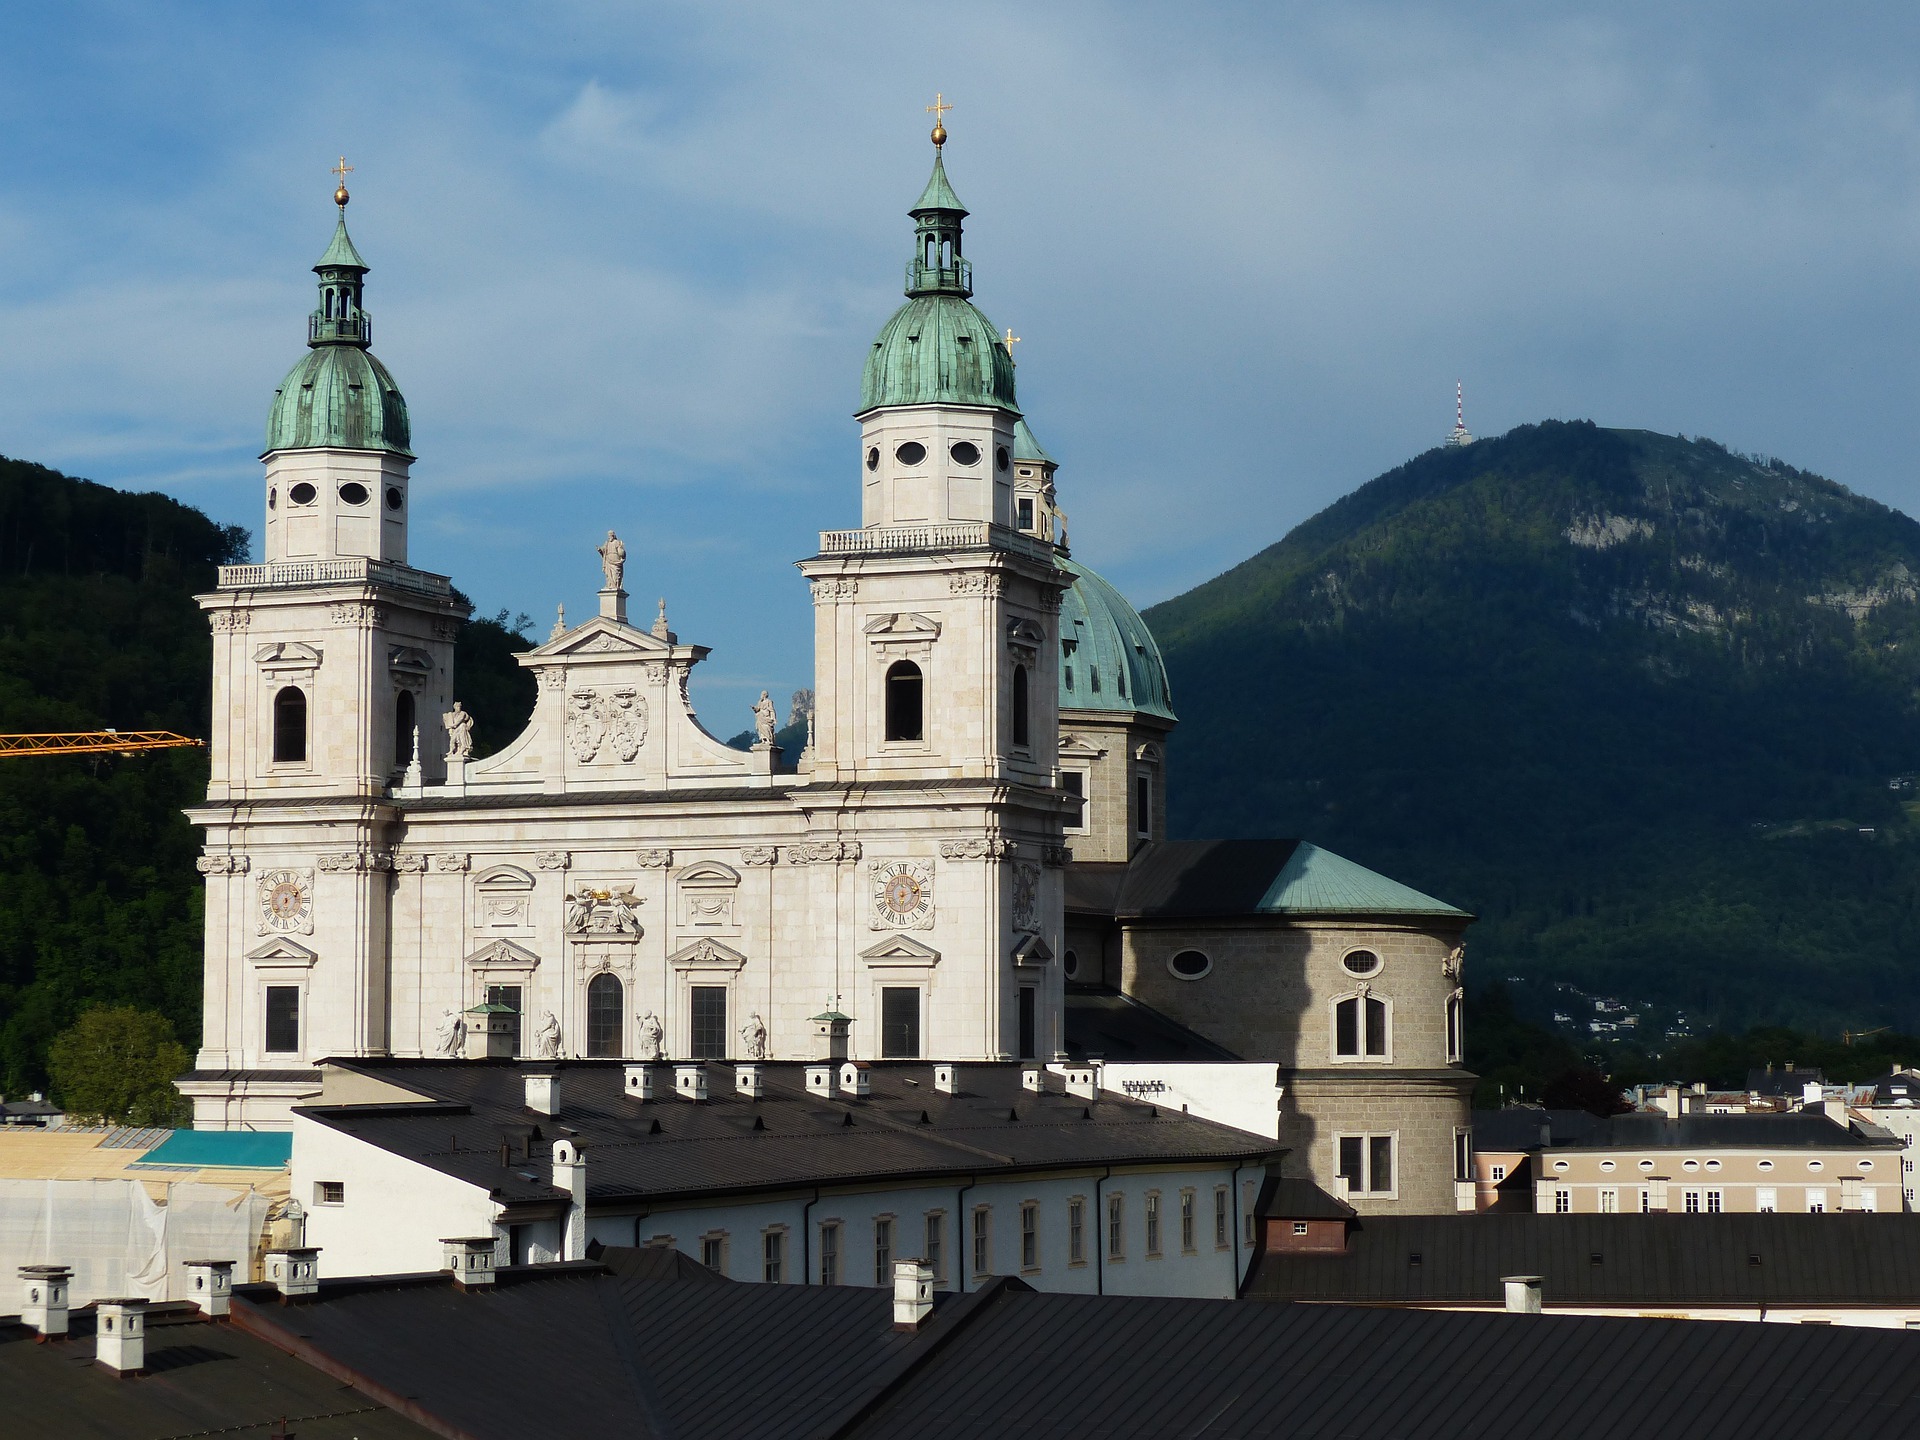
(503, 877)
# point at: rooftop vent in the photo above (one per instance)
(1523, 1294)
(1083, 1081)
(210, 1285)
(822, 1081)
(640, 1082)
(120, 1335)
(470, 1258)
(543, 1092)
(750, 1080)
(855, 1079)
(294, 1271)
(912, 1293)
(690, 1082)
(946, 1079)
(43, 1298)
(1030, 1078)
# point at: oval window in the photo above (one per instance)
(1816, 1165)
(1713, 1164)
(1070, 964)
(393, 497)
(1000, 457)
(1361, 962)
(302, 494)
(1689, 1164)
(1866, 1164)
(354, 493)
(964, 452)
(1606, 1165)
(911, 453)
(1646, 1164)
(873, 457)
(273, 498)
(1560, 1164)
(1766, 1164)
(1189, 965)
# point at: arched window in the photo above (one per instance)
(1360, 1028)
(290, 726)
(1022, 726)
(1455, 1037)
(906, 705)
(403, 723)
(606, 1016)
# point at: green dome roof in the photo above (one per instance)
(938, 350)
(339, 397)
(1026, 446)
(1115, 664)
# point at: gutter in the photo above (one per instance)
(806, 1238)
(1099, 1236)
(965, 1236)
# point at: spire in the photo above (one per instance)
(936, 267)
(338, 318)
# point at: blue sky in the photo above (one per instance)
(627, 257)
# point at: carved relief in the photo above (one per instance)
(822, 852)
(409, 666)
(653, 859)
(836, 588)
(707, 892)
(976, 582)
(409, 862)
(505, 896)
(229, 620)
(594, 719)
(655, 672)
(446, 629)
(627, 724)
(553, 860)
(902, 895)
(356, 862)
(760, 855)
(1056, 855)
(452, 863)
(222, 863)
(286, 902)
(604, 912)
(1455, 963)
(553, 679)
(977, 847)
(356, 612)
(1026, 896)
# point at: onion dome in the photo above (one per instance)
(1108, 658)
(338, 397)
(938, 349)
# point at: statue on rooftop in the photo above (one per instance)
(547, 1037)
(459, 733)
(450, 1036)
(613, 561)
(753, 1036)
(650, 1033)
(765, 720)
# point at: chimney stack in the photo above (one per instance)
(570, 1175)
(946, 1079)
(1811, 1094)
(640, 1082)
(210, 1286)
(294, 1271)
(750, 1081)
(1083, 1082)
(1523, 1294)
(912, 1293)
(1030, 1078)
(120, 1335)
(690, 1081)
(543, 1092)
(470, 1258)
(43, 1298)
(822, 1081)
(855, 1079)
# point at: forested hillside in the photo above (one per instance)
(1647, 706)
(99, 898)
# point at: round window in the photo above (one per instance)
(873, 457)
(1000, 457)
(1560, 1164)
(1606, 1165)
(911, 453)
(1766, 1164)
(965, 452)
(302, 494)
(1646, 1164)
(1866, 1164)
(1071, 964)
(394, 497)
(1361, 962)
(1713, 1164)
(1816, 1165)
(354, 493)
(273, 498)
(1689, 1164)
(1189, 965)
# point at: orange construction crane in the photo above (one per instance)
(94, 742)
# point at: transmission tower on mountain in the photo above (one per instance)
(1458, 435)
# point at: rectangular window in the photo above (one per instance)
(1300, 1227)
(1074, 782)
(508, 995)
(773, 1256)
(1222, 1223)
(1116, 1212)
(1690, 1202)
(1869, 1199)
(900, 1022)
(1187, 1245)
(1366, 1161)
(330, 1192)
(1024, 513)
(830, 1252)
(1152, 1213)
(1562, 1200)
(1463, 1154)
(713, 1252)
(1360, 1028)
(283, 1019)
(1646, 1202)
(1030, 1236)
(883, 1250)
(1029, 1021)
(1076, 1231)
(1609, 1202)
(936, 1250)
(1766, 1199)
(982, 1240)
(1453, 1028)
(1715, 1200)
(1143, 804)
(1816, 1202)
(1499, 1173)
(1246, 1210)
(709, 1022)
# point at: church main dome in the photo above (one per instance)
(1109, 660)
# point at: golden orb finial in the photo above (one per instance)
(938, 110)
(340, 196)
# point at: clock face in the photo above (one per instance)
(903, 894)
(286, 900)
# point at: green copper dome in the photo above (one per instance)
(1108, 658)
(938, 349)
(1027, 446)
(338, 396)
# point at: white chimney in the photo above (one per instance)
(470, 1258)
(1523, 1294)
(946, 1079)
(1668, 1101)
(120, 1335)
(1837, 1112)
(855, 1079)
(294, 1271)
(912, 1293)
(210, 1286)
(640, 1082)
(1030, 1078)
(1083, 1081)
(543, 1092)
(690, 1082)
(43, 1298)
(750, 1080)
(1811, 1093)
(822, 1081)
(570, 1175)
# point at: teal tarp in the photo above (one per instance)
(235, 1149)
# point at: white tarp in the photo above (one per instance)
(119, 1241)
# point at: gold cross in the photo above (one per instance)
(938, 110)
(342, 170)
(1010, 341)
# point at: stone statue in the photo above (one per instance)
(765, 722)
(547, 1037)
(753, 1035)
(450, 1036)
(650, 1033)
(613, 561)
(579, 910)
(1455, 962)
(624, 904)
(459, 733)
(559, 623)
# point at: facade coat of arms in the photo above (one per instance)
(616, 720)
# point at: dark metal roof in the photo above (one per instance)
(1783, 1081)
(786, 1139)
(202, 1379)
(1218, 879)
(1093, 886)
(565, 1351)
(1528, 1127)
(1285, 1197)
(1103, 1023)
(1795, 1130)
(1743, 1260)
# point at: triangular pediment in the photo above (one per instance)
(503, 954)
(905, 625)
(1032, 950)
(282, 951)
(707, 953)
(603, 636)
(1079, 749)
(1024, 632)
(287, 654)
(900, 950)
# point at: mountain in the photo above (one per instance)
(1649, 707)
(99, 899)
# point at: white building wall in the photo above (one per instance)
(395, 1212)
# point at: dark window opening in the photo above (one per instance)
(403, 723)
(1022, 724)
(302, 494)
(709, 1022)
(508, 995)
(1075, 784)
(606, 1016)
(1191, 964)
(1000, 457)
(911, 453)
(906, 707)
(1025, 521)
(900, 1022)
(1360, 1027)
(283, 1019)
(290, 726)
(394, 497)
(873, 457)
(964, 452)
(1029, 1022)
(1070, 965)
(354, 493)
(1143, 803)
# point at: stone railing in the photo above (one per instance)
(292, 574)
(891, 539)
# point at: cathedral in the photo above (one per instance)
(967, 862)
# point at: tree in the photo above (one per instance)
(117, 1065)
